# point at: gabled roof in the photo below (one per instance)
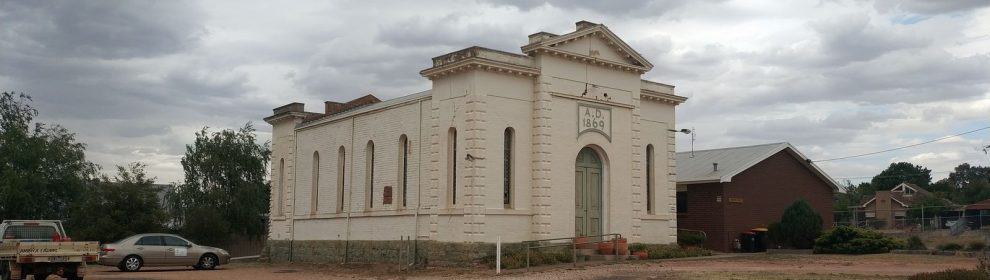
(732, 161)
(590, 29)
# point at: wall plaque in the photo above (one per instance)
(592, 118)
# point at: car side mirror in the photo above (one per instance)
(188, 245)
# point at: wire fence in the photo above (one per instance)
(914, 218)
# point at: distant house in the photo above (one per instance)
(888, 209)
(725, 192)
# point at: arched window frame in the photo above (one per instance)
(508, 167)
(650, 180)
(452, 165)
(279, 197)
(403, 174)
(369, 174)
(314, 195)
(341, 164)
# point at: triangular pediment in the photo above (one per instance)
(594, 41)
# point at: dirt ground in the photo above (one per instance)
(884, 266)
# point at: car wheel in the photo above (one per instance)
(208, 261)
(131, 263)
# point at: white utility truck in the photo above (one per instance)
(41, 248)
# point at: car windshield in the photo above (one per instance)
(29, 232)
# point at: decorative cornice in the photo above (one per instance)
(589, 59)
(475, 63)
(600, 31)
(281, 116)
(662, 97)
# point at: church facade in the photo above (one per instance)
(563, 139)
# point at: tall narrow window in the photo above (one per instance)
(281, 186)
(649, 179)
(341, 160)
(404, 167)
(452, 164)
(369, 176)
(314, 196)
(507, 169)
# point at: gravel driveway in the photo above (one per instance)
(756, 266)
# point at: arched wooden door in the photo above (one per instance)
(588, 193)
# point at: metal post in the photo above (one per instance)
(615, 246)
(527, 256)
(574, 251)
(498, 255)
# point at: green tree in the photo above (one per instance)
(42, 167)
(900, 172)
(932, 205)
(225, 191)
(114, 208)
(799, 226)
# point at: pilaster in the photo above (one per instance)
(475, 165)
(433, 195)
(541, 160)
(638, 188)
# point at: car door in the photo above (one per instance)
(151, 248)
(178, 251)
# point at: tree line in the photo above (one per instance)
(966, 184)
(44, 174)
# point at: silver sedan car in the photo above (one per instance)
(160, 249)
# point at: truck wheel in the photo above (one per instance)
(131, 263)
(208, 261)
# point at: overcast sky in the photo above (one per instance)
(136, 79)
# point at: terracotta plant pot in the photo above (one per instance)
(642, 255)
(583, 242)
(623, 246)
(606, 248)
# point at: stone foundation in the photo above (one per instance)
(392, 251)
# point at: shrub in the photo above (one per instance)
(661, 251)
(951, 274)
(687, 238)
(636, 247)
(951, 246)
(914, 243)
(976, 246)
(850, 240)
(799, 226)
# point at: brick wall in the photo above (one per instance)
(755, 198)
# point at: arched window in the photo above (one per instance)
(281, 187)
(452, 164)
(507, 168)
(649, 179)
(404, 167)
(341, 160)
(314, 196)
(369, 176)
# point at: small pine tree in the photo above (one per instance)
(799, 226)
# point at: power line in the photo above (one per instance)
(896, 175)
(903, 147)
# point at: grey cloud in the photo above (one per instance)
(838, 127)
(929, 7)
(853, 38)
(615, 8)
(452, 31)
(110, 30)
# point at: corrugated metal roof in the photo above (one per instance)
(735, 160)
(730, 161)
(368, 108)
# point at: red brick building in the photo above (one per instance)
(725, 192)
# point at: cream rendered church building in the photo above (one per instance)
(565, 139)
